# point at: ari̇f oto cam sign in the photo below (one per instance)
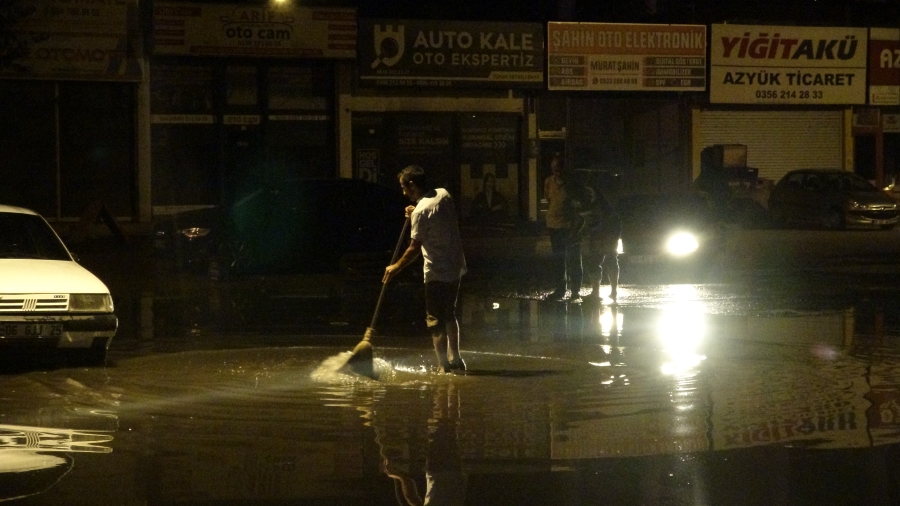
(253, 31)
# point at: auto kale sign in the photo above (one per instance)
(422, 53)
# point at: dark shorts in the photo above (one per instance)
(440, 304)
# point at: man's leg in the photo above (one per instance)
(558, 259)
(453, 329)
(574, 268)
(452, 340)
(437, 326)
(596, 278)
(440, 306)
(611, 261)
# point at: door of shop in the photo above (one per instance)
(778, 141)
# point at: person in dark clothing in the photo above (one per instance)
(564, 224)
(604, 230)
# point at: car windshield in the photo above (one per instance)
(29, 236)
(849, 183)
(649, 210)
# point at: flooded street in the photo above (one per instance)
(681, 394)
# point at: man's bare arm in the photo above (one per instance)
(412, 252)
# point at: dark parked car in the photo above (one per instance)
(832, 199)
(676, 231)
(298, 227)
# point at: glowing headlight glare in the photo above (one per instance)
(619, 248)
(682, 243)
(682, 329)
(194, 232)
(91, 302)
(610, 322)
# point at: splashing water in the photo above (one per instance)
(331, 370)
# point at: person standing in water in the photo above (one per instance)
(564, 225)
(435, 235)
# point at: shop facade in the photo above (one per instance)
(778, 141)
(243, 99)
(789, 94)
(226, 100)
(70, 83)
(877, 127)
(450, 96)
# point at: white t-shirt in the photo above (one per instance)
(435, 224)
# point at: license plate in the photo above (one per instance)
(31, 329)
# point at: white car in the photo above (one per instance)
(48, 300)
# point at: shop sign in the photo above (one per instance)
(756, 64)
(241, 119)
(368, 164)
(62, 40)
(817, 414)
(890, 123)
(883, 413)
(269, 31)
(884, 66)
(488, 150)
(626, 57)
(422, 53)
(182, 119)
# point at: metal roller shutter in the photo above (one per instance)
(778, 141)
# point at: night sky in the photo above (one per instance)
(796, 12)
(861, 13)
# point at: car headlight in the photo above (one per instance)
(194, 232)
(91, 303)
(682, 243)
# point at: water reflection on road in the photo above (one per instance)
(679, 395)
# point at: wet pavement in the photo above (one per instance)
(769, 387)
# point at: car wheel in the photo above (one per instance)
(833, 220)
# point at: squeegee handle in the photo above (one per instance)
(384, 285)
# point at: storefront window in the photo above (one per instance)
(299, 129)
(96, 146)
(184, 136)
(27, 141)
(93, 160)
(241, 86)
(475, 156)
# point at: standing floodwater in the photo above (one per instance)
(677, 396)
